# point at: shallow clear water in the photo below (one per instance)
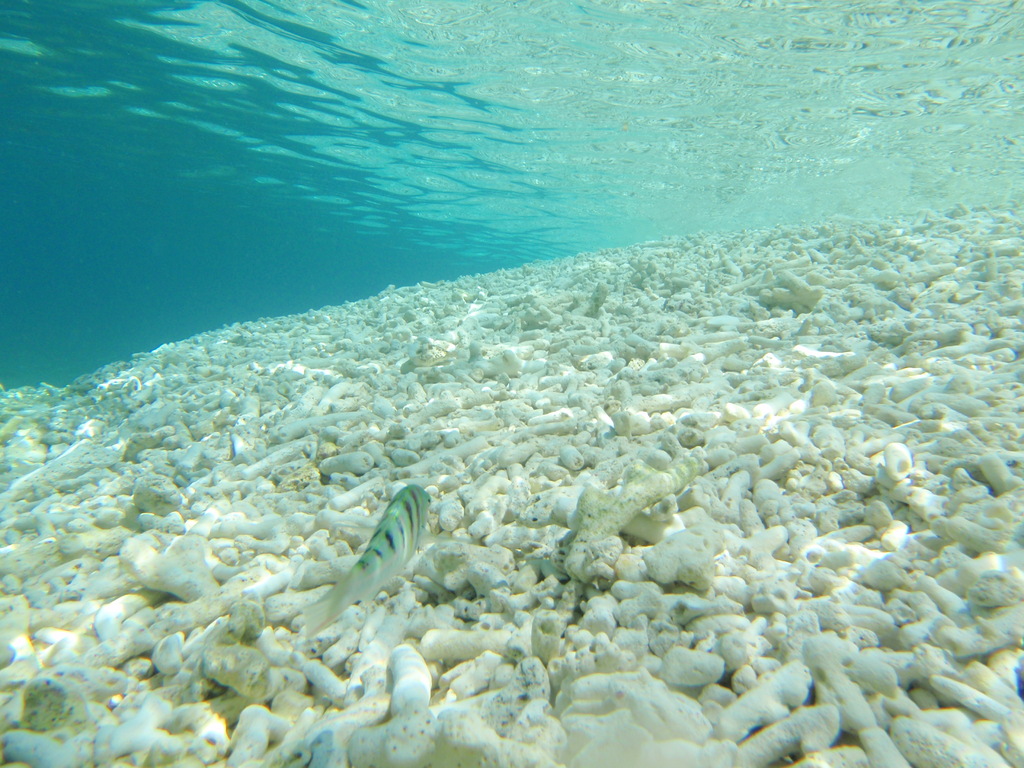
(203, 162)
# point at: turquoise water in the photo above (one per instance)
(171, 167)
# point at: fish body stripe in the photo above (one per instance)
(401, 528)
(393, 543)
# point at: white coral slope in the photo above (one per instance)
(840, 583)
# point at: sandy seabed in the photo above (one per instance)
(742, 500)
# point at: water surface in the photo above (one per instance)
(170, 167)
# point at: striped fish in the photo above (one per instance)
(393, 543)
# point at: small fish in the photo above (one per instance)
(393, 543)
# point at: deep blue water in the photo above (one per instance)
(123, 230)
(171, 167)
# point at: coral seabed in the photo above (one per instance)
(741, 500)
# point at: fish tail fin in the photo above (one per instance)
(325, 610)
(355, 586)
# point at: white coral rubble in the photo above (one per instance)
(754, 500)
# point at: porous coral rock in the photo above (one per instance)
(408, 680)
(546, 630)
(427, 352)
(257, 726)
(404, 742)
(601, 516)
(140, 729)
(31, 556)
(687, 557)
(594, 559)
(688, 667)
(599, 513)
(182, 569)
(243, 668)
(354, 463)
(39, 750)
(771, 700)
(807, 729)
(926, 746)
(51, 704)
(465, 739)
(452, 645)
(788, 290)
(995, 589)
(448, 563)
(156, 494)
(648, 701)
(502, 708)
(245, 622)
